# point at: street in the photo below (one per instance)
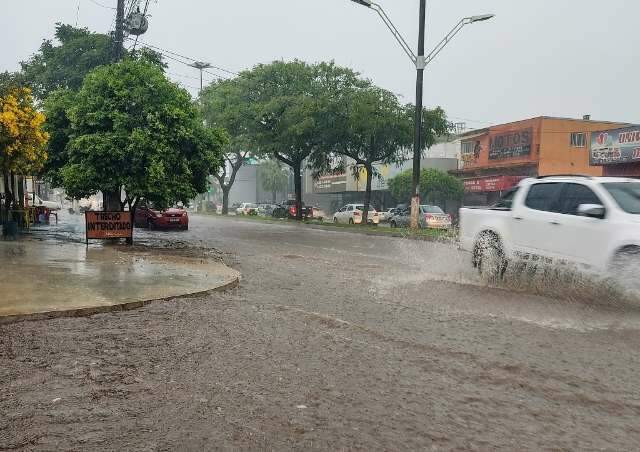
(334, 340)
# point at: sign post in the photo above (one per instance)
(108, 225)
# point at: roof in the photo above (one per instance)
(475, 132)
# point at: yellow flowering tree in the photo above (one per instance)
(22, 138)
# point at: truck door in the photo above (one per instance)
(535, 220)
(579, 238)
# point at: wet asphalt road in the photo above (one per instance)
(334, 340)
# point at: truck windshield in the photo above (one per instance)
(626, 195)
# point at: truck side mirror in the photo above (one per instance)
(591, 210)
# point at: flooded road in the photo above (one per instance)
(333, 340)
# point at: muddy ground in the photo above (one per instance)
(333, 341)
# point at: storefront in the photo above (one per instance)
(487, 190)
(617, 151)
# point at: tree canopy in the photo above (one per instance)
(22, 139)
(132, 129)
(436, 187)
(65, 61)
(274, 177)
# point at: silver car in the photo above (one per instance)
(430, 217)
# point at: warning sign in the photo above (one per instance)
(109, 225)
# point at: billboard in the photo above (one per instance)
(615, 146)
(333, 183)
(512, 144)
(108, 225)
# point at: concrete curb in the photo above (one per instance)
(126, 306)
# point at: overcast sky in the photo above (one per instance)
(545, 57)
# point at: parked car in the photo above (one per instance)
(35, 201)
(173, 218)
(385, 215)
(429, 217)
(266, 210)
(247, 208)
(589, 221)
(352, 214)
(288, 210)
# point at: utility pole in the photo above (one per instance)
(111, 199)
(118, 42)
(417, 142)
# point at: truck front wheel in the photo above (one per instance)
(489, 258)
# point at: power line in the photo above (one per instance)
(186, 57)
(179, 60)
(95, 2)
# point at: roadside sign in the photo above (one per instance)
(108, 225)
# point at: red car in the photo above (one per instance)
(173, 218)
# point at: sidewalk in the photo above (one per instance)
(49, 278)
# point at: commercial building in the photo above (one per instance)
(495, 158)
(334, 191)
(617, 151)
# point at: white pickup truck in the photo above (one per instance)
(593, 222)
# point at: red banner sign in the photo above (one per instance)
(493, 183)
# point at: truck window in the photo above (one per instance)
(573, 195)
(543, 196)
(506, 201)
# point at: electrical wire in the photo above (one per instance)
(180, 59)
(186, 57)
(95, 2)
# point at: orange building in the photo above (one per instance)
(494, 159)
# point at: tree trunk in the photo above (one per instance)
(6, 207)
(367, 195)
(225, 200)
(297, 180)
(274, 196)
(111, 201)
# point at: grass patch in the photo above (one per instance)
(383, 229)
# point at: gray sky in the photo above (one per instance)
(545, 57)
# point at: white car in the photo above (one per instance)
(590, 221)
(51, 205)
(352, 214)
(247, 208)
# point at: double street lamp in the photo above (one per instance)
(420, 61)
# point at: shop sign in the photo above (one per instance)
(511, 144)
(494, 183)
(333, 183)
(108, 225)
(615, 146)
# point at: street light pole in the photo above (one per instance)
(420, 61)
(417, 140)
(201, 65)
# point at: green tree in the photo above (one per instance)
(436, 187)
(133, 130)
(274, 178)
(225, 104)
(294, 107)
(371, 127)
(64, 62)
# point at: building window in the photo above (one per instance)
(467, 147)
(578, 139)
